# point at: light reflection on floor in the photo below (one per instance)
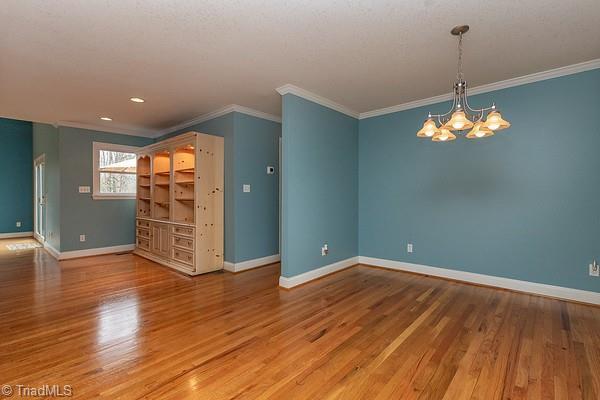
(118, 320)
(23, 246)
(17, 245)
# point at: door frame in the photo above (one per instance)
(41, 160)
(280, 149)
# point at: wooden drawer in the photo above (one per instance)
(143, 232)
(182, 230)
(143, 223)
(182, 242)
(143, 243)
(186, 257)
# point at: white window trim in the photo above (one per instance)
(96, 147)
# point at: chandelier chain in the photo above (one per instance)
(459, 74)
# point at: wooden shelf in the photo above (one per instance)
(162, 203)
(162, 184)
(144, 198)
(185, 182)
(144, 185)
(185, 199)
(144, 175)
(185, 170)
(163, 173)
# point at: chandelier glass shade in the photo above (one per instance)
(429, 129)
(445, 135)
(479, 131)
(474, 123)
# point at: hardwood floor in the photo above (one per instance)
(120, 326)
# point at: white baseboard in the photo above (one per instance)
(65, 255)
(53, 252)
(249, 264)
(488, 280)
(316, 273)
(11, 235)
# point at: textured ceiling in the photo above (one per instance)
(74, 60)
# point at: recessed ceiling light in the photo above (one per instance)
(137, 100)
(106, 118)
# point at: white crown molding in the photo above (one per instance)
(255, 113)
(315, 98)
(305, 277)
(103, 128)
(542, 289)
(204, 117)
(11, 235)
(508, 83)
(218, 113)
(249, 264)
(408, 106)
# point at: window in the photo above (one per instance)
(114, 171)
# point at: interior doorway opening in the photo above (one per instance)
(39, 217)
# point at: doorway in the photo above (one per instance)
(39, 214)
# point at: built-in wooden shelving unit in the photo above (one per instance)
(180, 197)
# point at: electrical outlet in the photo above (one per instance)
(82, 238)
(270, 170)
(324, 250)
(246, 188)
(594, 269)
(409, 248)
(18, 224)
(84, 189)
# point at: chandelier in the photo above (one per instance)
(479, 122)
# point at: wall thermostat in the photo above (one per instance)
(270, 170)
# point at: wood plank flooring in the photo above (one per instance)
(122, 327)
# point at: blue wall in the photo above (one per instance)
(256, 146)
(45, 141)
(251, 219)
(320, 185)
(104, 222)
(16, 175)
(523, 204)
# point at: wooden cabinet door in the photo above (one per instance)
(164, 240)
(160, 239)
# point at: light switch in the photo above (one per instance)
(246, 188)
(84, 189)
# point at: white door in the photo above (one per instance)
(40, 198)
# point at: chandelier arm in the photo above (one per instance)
(439, 116)
(473, 113)
(479, 111)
